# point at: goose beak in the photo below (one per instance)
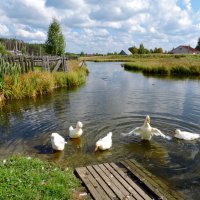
(96, 148)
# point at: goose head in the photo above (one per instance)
(177, 131)
(98, 144)
(147, 120)
(79, 125)
(53, 135)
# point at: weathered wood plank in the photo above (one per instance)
(123, 182)
(57, 66)
(130, 182)
(120, 187)
(106, 188)
(109, 182)
(82, 172)
(161, 184)
(148, 182)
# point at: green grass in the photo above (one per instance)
(178, 65)
(31, 178)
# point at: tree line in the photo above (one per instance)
(143, 50)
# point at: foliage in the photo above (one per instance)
(31, 49)
(198, 45)
(133, 50)
(2, 49)
(143, 50)
(55, 43)
(23, 50)
(31, 178)
(158, 50)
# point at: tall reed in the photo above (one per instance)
(32, 84)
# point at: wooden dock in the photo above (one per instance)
(125, 180)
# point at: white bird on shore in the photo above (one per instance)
(77, 132)
(184, 135)
(104, 143)
(146, 131)
(58, 142)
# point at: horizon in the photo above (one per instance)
(103, 26)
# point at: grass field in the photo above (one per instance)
(31, 178)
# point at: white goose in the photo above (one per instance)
(58, 142)
(77, 132)
(104, 143)
(146, 131)
(184, 135)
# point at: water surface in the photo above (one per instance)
(112, 100)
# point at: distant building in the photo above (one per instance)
(184, 50)
(123, 53)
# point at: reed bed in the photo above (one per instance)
(187, 66)
(33, 84)
(14, 85)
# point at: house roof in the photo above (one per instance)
(189, 48)
(123, 52)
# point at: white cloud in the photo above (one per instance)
(3, 30)
(102, 26)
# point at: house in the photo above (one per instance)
(123, 53)
(182, 49)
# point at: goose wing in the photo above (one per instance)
(157, 132)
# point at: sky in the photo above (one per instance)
(101, 26)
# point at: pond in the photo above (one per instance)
(112, 100)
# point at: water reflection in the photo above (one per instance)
(150, 150)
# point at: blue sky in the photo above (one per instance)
(101, 26)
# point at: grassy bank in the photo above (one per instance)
(187, 66)
(28, 178)
(132, 58)
(37, 83)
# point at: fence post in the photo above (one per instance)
(32, 63)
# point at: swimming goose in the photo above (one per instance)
(58, 142)
(104, 143)
(146, 131)
(77, 132)
(184, 135)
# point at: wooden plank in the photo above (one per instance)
(124, 183)
(82, 172)
(148, 182)
(106, 188)
(116, 182)
(57, 66)
(158, 181)
(130, 182)
(109, 182)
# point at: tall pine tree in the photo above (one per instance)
(55, 43)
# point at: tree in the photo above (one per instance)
(141, 49)
(133, 50)
(2, 49)
(55, 43)
(23, 50)
(158, 50)
(198, 45)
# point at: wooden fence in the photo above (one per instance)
(47, 63)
